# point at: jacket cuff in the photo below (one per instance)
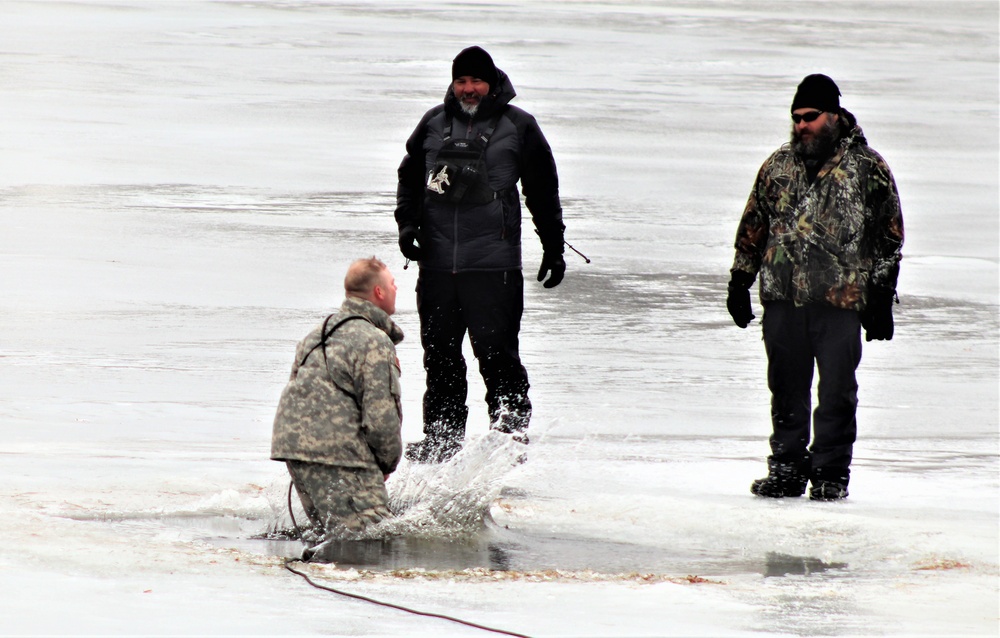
(552, 240)
(741, 279)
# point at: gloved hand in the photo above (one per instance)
(738, 299)
(876, 318)
(410, 242)
(555, 263)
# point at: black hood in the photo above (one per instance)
(849, 129)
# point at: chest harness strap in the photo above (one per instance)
(326, 335)
(483, 137)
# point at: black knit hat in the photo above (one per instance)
(819, 92)
(477, 63)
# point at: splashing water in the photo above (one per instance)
(428, 501)
(441, 512)
(454, 498)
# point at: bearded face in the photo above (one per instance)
(818, 143)
(469, 92)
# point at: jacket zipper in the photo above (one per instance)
(503, 220)
(454, 256)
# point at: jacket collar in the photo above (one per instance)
(374, 314)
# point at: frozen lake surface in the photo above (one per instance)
(182, 185)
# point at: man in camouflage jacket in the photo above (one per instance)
(823, 230)
(337, 426)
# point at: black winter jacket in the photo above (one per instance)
(481, 237)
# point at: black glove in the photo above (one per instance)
(738, 299)
(877, 315)
(555, 263)
(410, 242)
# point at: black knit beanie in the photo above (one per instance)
(819, 92)
(476, 62)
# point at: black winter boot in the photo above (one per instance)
(433, 450)
(783, 479)
(772, 486)
(827, 491)
(514, 423)
(522, 438)
(829, 483)
(443, 436)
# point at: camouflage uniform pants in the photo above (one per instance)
(342, 502)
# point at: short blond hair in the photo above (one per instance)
(362, 277)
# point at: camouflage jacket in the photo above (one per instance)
(341, 405)
(827, 242)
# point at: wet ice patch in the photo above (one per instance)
(253, 503)
(234, 503)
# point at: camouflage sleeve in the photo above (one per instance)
(379, 398)
(887, 231)
(751, 236)
(299, 351)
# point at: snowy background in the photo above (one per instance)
(182, 185)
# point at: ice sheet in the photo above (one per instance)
(183, 183)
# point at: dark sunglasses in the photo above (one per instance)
(806, 117)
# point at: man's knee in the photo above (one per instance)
(352, 524)
(342, 501)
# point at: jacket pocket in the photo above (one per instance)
(510, 215)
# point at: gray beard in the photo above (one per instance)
(819, 147)
(468, 110)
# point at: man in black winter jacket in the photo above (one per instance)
(459, 215)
